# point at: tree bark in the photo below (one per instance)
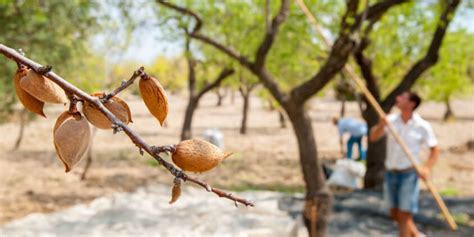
(342, 113)
(282, 119)
(318, 195)
(449, 111)
(220, 97)
(245, 109)
(186, 132)
(376, 154)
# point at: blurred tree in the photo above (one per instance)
(221, 92)
(170, 72)
(450, 77)
(288, 60)
(247, 84)
(196, 88)
(392, 55)
(52, 32)
(270, 103)
(346, 91)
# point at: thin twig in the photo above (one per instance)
(136, 139)
(138, 73)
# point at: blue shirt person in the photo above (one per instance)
(356, 129)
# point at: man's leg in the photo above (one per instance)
(408, 203)
(359, 147)
(407, 226)
(350, 144)
(394, 214)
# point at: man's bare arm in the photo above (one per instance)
(425, 170)
(434, 154)
(378, 130)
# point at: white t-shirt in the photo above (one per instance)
(414, 133)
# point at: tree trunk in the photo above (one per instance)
(318, 195)
(448, 115)
(360, 103)
(245, 109)
(23, 115)
(220, 97)
(376, 154)
(186, 132)
(282, 119)
(343, 108)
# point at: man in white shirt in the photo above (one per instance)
(401, 184)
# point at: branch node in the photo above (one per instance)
(208, 188)
(116, 128)
(124, 84)
(44, 69)
(169, 149)
(177, 181)
(72, 103)
(177, 173)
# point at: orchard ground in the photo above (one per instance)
(32, 179)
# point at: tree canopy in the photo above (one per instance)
(52, 32)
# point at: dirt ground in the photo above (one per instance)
(33, 180)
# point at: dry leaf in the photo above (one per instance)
(154, 97)
(175, 191)
(71, 138)
(42, 88)
(197, 155)
(115, 105)
(29, 102)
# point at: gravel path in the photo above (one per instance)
(146, 212)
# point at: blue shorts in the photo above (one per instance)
(401, 190)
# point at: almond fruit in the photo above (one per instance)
(116, 105)
(197, 155)
(154, 97)
(71, 138)
(42, 88)
(29, 102)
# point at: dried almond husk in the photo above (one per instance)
(42, 88)
(29, 102)
(154, 97)
(197, 155)
(116, 105)
(175, 191)
(71, 138)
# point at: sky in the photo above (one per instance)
(146, 45)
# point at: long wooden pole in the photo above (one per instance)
(381, 113)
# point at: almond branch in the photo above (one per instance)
(117, 124)
(137, 73)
